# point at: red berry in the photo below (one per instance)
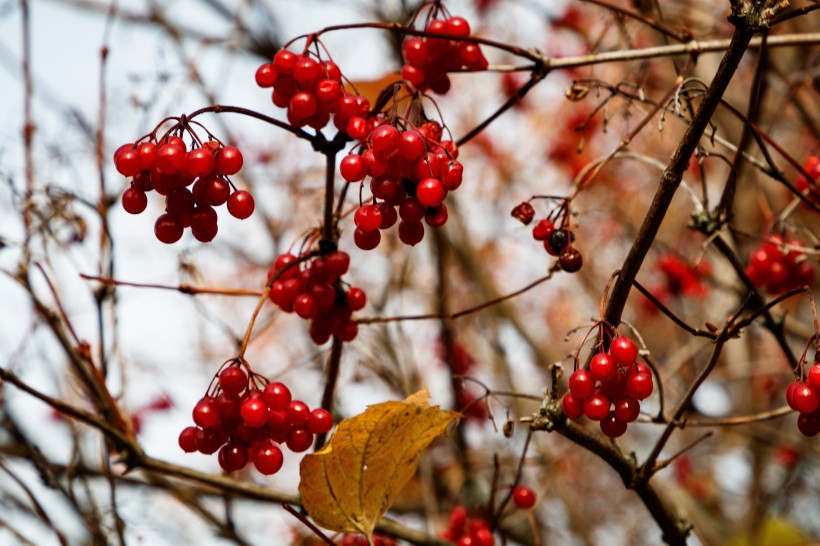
(411, 145)
(436, 217)
(265, 75)
(572, 407)
(804, 399)
(368, 218)
(305, 306)
(168, 229)
(170, 158)
(254, 412)
(523, 497)
(352, 168)
(813, 378)
(276, 395)
(298, 413)
(228, 160)
(233, 380)
(809, 424)
(147, 152)
(134, 201)
(596, 407)
(187, 439)
(240, 204)
(206, 413)
(602, 367)
(320, 421)
(430, 192)
(198, 162)
(307, 72)
(623, 350)
(233, 456)
(639, 385)
(581, 384)
(611, 426)
(389, 215)
(384, 140)
(127, 160)
(299, 439)
(268, 460)
(303, 105)
(627, 409)
(366, 240)
(411, 233)
(356, 298)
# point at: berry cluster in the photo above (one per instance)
(313, 291)
(168, 168)
(361, 540)
(428, 59)
(804, 397)
(245, 423)
(810, 187)
(411, 170)
(779, 269)
(611, 389)
(466, 530)
(311, 90)
(558, 242)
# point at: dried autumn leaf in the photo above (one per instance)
(351, 483)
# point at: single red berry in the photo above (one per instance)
(570, 260)
(168, 229)
(233, 380)
(328, 91)
(233, 456)
(602, 367)
(187, 439)
(572, 407)
(170, 158)
(639, 386)
(198, 162)
(276, 395)
(384, 140)
(265, 75)
(411, 233)
(206, 413)
(611, 426)
(366, 240)
(284, 60)
(411, 145)
(320, 421)
(305, 306)
(352, 168)
(483, 537)
(127, 160)
(543, 229)
(389, 215)
(268, 460)
(581, 384)
(147, 152)
(228, 406)
(299, 439)
(134, 201)
(307, 72)
(596, 407)
(809, 424)
(368, 218)
(813, 378)
(523, 497)
(228, 160)
(254, 412)
(804, 399)
(210, 439)
(356, 298)
(623, 350)
(240, 204)
(431, 192)
(436, 217)
(627, 409)
(303, 105)
(298, 413)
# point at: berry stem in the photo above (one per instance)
(332, 376)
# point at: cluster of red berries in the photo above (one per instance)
(558, 242)
(803, 184)
(361, 540)
(428, 59)
(311, 90)
(778, 268)
(245, 423)
(313, 291)
(168, 168)
(411, 169)
(611, 389)
(804, 397)
(466, 530)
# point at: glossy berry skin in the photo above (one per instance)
(612, 427)
(134, 201)
(602, 367)
(581, 384)
(320, 421)
(254, 412)
(233, 380)
(298, 413)
(411, 233)
(168, 229)
(232, 457)
(431, 192)
(570, 260)
(623, 350)
(352, 168)
(276, 395)
(241, 204)
(627, 409)
(596, 407)
(187, 439)
(366, 240)
(543, 229)
(804, 399)
(813, 378)
(268, 460)
(299, 439)
(228, 160)
(572, 407)
(523, 497)
(639, 385)
(206, 413)
(809, 424)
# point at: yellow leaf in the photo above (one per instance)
(351, 483)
